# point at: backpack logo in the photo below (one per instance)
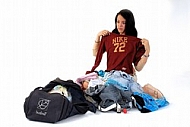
(42, 106)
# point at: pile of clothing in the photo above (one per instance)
(117, 90)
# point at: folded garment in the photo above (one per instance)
(88, 77)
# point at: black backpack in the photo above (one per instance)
(46, 107)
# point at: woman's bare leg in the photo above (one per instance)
(149, 89)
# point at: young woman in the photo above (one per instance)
(122, 52)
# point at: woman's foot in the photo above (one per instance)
(149, 89)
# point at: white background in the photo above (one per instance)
(44, 39)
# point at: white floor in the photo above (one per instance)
(44, 39)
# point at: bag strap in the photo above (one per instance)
(39, 88)
(58, 81)
(67, 83)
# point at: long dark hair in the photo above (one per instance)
(130, 23)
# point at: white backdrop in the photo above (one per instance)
(44, 39)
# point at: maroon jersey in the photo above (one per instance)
(122, 52)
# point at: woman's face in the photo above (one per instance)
(121, 24)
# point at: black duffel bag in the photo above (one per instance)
(43, 106)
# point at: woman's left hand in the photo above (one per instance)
(145, 42)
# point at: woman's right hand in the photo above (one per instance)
(103, 33)
(98, 40)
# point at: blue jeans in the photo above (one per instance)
(122, 81)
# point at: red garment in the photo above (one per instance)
(122, 52)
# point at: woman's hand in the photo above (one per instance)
(145, 42)
(100, 34)
(143, 61)
(103, 33)
(98, 40)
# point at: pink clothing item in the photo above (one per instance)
(88, 77)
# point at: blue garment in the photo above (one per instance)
(101, 73)
(110, 95)
(122, 81)
(146, 103)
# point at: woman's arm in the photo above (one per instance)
(145, 56)
(96, 45)
(98, 40)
